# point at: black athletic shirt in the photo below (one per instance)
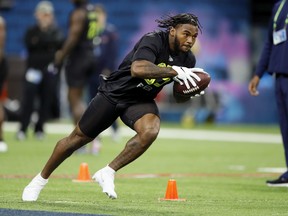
(42, 46)
(121, 87)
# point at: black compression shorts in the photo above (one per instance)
(79, 67)
(101, 113)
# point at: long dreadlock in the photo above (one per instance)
(173, 21)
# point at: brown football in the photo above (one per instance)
(180, 91)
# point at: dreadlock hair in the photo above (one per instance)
(173, 21)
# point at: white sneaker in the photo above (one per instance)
(3, 147)
(32, 190)
(105, 178)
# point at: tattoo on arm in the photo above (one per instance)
(147, 70)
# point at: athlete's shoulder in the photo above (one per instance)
(79, 12)
(155, 37)
(156, 34)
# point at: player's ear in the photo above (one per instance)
(172, 31)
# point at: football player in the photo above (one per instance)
(156, 60)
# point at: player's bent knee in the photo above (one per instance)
(149, 135)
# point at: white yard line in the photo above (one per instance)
(211, 135)
(170, 133)
(272, 169)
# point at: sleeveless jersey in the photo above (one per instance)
(90, 29)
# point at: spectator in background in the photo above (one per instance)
(3, 76)
(274, 59)
(80, 62)
(42, 40)
(106, 53)
(78, 52)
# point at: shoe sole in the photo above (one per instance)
(277, 185)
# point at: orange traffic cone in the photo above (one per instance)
(84, 175)
(171, 192)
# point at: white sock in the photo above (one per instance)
(108, 168)
(40, 179)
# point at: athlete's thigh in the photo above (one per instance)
(137, 111)
(99, 115)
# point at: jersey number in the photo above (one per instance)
(161, 82)
(93, 27)
(92, 30)
(157, 84)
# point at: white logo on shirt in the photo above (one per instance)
(140, 85)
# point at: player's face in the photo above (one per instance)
(44, 19)
(184, 37)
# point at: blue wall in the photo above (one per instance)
(128, 16)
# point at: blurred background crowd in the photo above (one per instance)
(228, 48)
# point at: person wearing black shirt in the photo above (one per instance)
(42, 40)
(77, 54)
(156, 60)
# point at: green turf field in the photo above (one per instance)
(215, 177)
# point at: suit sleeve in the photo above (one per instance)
(263, 63)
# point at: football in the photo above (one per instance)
(180, 91)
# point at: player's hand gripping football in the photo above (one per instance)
(185, 74)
